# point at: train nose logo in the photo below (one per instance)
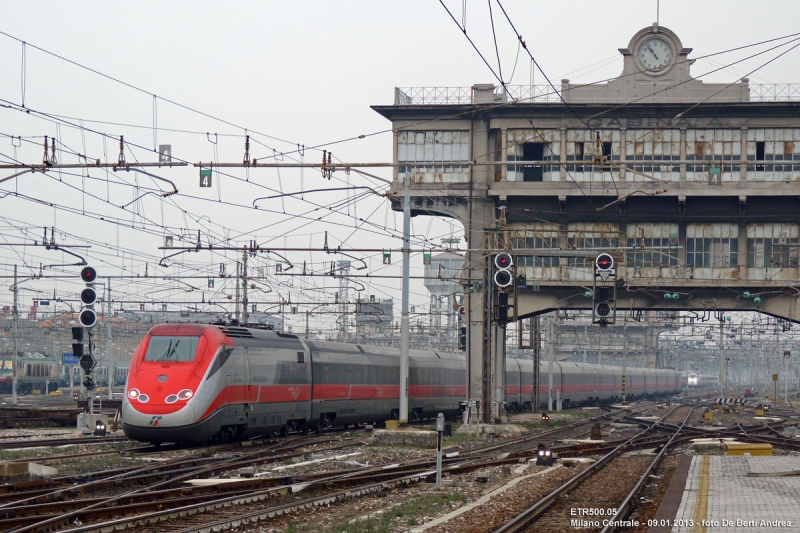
(154, 420)
(295, 392)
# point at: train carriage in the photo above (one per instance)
(193, 383)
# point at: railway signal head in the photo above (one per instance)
(88, 296)
(88, 274)
(503, 261)
(87, 316)
(602, 310)
(544, 457)
(503, 277)
(604, 262)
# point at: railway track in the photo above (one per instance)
(235, 503)
(159, 487)
(573, 430)
(610, 475)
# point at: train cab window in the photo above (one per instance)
(301, 357)
(171, 349)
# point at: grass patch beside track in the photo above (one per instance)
(407, 514)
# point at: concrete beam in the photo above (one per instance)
(778, 304)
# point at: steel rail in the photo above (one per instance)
(525, 518)
(622, 509)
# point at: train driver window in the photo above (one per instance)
(171, 349)
(301, 357)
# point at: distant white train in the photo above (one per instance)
(700, 380)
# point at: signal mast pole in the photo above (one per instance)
(110, 353)
(402, 415)
(15, 317)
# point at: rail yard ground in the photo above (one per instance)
(349, 480)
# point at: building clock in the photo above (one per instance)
(655, 55)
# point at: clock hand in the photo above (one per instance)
(654, 54)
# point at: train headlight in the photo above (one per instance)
(185, 394)
(144, 398)
(133, 394)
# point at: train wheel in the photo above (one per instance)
(284, 432)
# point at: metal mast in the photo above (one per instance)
(404, 333)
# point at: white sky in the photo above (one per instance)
(304, 72)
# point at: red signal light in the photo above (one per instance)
(88, 274)
(503, 261)
(604, 262)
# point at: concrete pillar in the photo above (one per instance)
(504, 153)
(742, 253)
(623, 149)
(683, 155)
(743, 166)
(563, 155)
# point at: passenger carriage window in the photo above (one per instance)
(301, 357)
(171, 349)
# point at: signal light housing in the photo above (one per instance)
(88, 318)
(502, 308)
(604, 262)
(88, 296)
(602, 310)
(544, 457)
(502, 278)
(503, 261)
(88, 274)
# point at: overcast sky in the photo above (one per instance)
(288, 73)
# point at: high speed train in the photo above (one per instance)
(196, 382)
(701, 380)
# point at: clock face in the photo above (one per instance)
(655, 55)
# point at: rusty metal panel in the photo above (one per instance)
(589, 235)
(644, 146)
(772, 251)
(654, 253)
(537, 236)
(434, 156)
(713, 251)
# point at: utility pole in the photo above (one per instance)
(786, 354)
(244, 288)
(307, 324)
(599, 349)
(722, 353)
(585, 341)
(15, 317)
(402, 415)
(109, 349)
(238, 278)
(550, 360)
(624, 356)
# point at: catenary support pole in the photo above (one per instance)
(624, 356)
(550, 359)
(404, 333)
(109, 348)
(15, 317)
(244, 289)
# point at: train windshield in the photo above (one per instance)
(171, 349)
